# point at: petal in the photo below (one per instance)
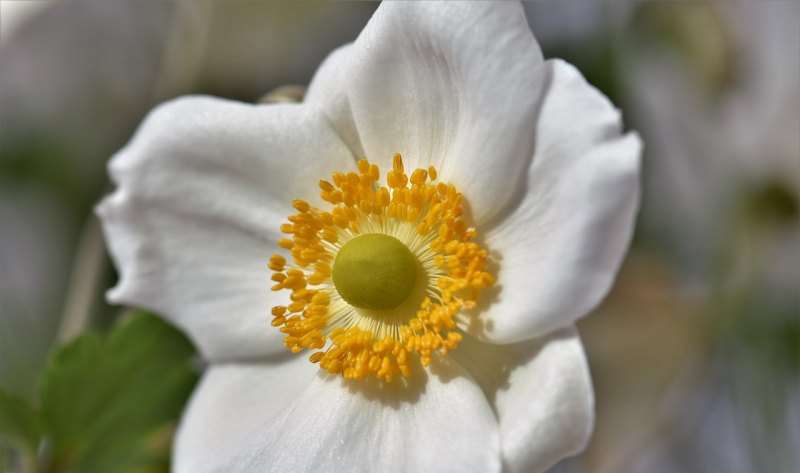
(441, 422)
(558, 252)
(232, 402)
(541, 392)
(328, 93)
(202, 190)
(453, 84)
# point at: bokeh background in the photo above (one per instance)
(694, 354)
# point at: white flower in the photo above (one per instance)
(548, 180)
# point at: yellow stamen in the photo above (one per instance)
(375, 333)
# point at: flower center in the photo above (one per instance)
(374, 271)
(378, 282)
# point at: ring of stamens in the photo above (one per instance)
(420, 212)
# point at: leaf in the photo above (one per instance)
(102, 397)
(19, 422)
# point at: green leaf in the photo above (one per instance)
(102, 397)
(19, 422)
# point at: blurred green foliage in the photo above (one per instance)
(19, 423)
(698, 33)
(103, 398)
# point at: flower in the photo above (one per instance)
(546, 178)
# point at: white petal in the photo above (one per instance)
(202, 190)
(441, 423)
(232, 402)
(558, 252)
(328, 93)
(541, 392)
(453, 84)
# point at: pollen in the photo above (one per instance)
(381, 277)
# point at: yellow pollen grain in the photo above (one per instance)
(421, 212)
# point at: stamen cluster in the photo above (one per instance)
(423, 214)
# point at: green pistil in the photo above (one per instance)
(374, 271)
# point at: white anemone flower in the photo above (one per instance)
(525, 191)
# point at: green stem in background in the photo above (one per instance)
(85, 278)
(29, 462)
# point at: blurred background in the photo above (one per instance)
(694, 354)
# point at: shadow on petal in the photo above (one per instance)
(540, 392)
(475, 321)
(522, 186)
(492, 365)
(399, 392)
